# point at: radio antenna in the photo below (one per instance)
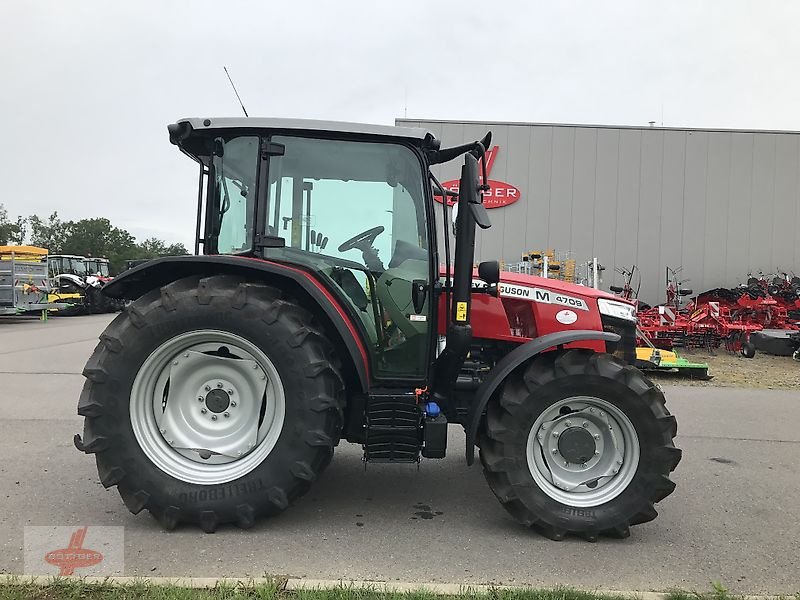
(235, 92)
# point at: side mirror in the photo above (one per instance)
(489, 271)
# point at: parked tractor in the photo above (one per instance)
(68, 274)
(78, 281)
(319, 312)
(98, 274)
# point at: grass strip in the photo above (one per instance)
(75, 589)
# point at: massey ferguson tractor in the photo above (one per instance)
(324, 307)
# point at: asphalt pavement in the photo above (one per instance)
(733, 518)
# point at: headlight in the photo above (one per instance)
(620, 310)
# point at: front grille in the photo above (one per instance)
(625, 348)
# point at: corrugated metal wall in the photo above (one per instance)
(718, 203)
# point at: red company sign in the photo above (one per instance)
(499, 194)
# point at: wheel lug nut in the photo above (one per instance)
(597, 452)
(219, 384)
(163, 431)
(567, 423)
(186, 355)
(566, 463)
(597, 436)
(200, 398)
(555, 451)
(585, 423)
(602, 414)
(174, 362)
(213, 417)
(555, 434)
(619, 462)
(208, 388)
(255, 366)
(591, 410)
(227, 414)
(203, 410)
(233, 403)
(230, 392)
(263, 377)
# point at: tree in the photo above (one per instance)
(11, 232)
(151, 248)
(154, 247)
(177, 249)
(88, 237)
(49, 234)
(99, 238)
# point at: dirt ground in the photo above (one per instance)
(733, 370)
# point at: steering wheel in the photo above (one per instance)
(357, 241)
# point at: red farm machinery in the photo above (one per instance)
(721, 316)
(322, 310)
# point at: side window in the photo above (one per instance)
(234, 194)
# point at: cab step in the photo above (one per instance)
(393, 429)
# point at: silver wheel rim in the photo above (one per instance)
(613, 461)
(207, 407)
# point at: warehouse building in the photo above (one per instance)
(719, 203)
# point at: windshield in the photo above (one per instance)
(96, 267)
(76, 266)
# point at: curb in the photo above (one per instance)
(294, 583)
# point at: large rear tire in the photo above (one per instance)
(211, 401)
(579, 443)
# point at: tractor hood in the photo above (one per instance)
(573, 289)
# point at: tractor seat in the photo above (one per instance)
(615, 288)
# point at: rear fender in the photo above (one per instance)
(506, 365)
(158, 272)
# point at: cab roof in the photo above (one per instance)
(211, 123)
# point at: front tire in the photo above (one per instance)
(161, 411)
(579, 443)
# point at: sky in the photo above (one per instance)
(88, 87)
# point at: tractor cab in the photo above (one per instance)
(98, 267)
(66, 264)
(355, 208)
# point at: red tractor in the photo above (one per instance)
(318, 312)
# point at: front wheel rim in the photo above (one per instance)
(207, 407)
(583, 451)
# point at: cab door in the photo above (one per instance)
(354, 212)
